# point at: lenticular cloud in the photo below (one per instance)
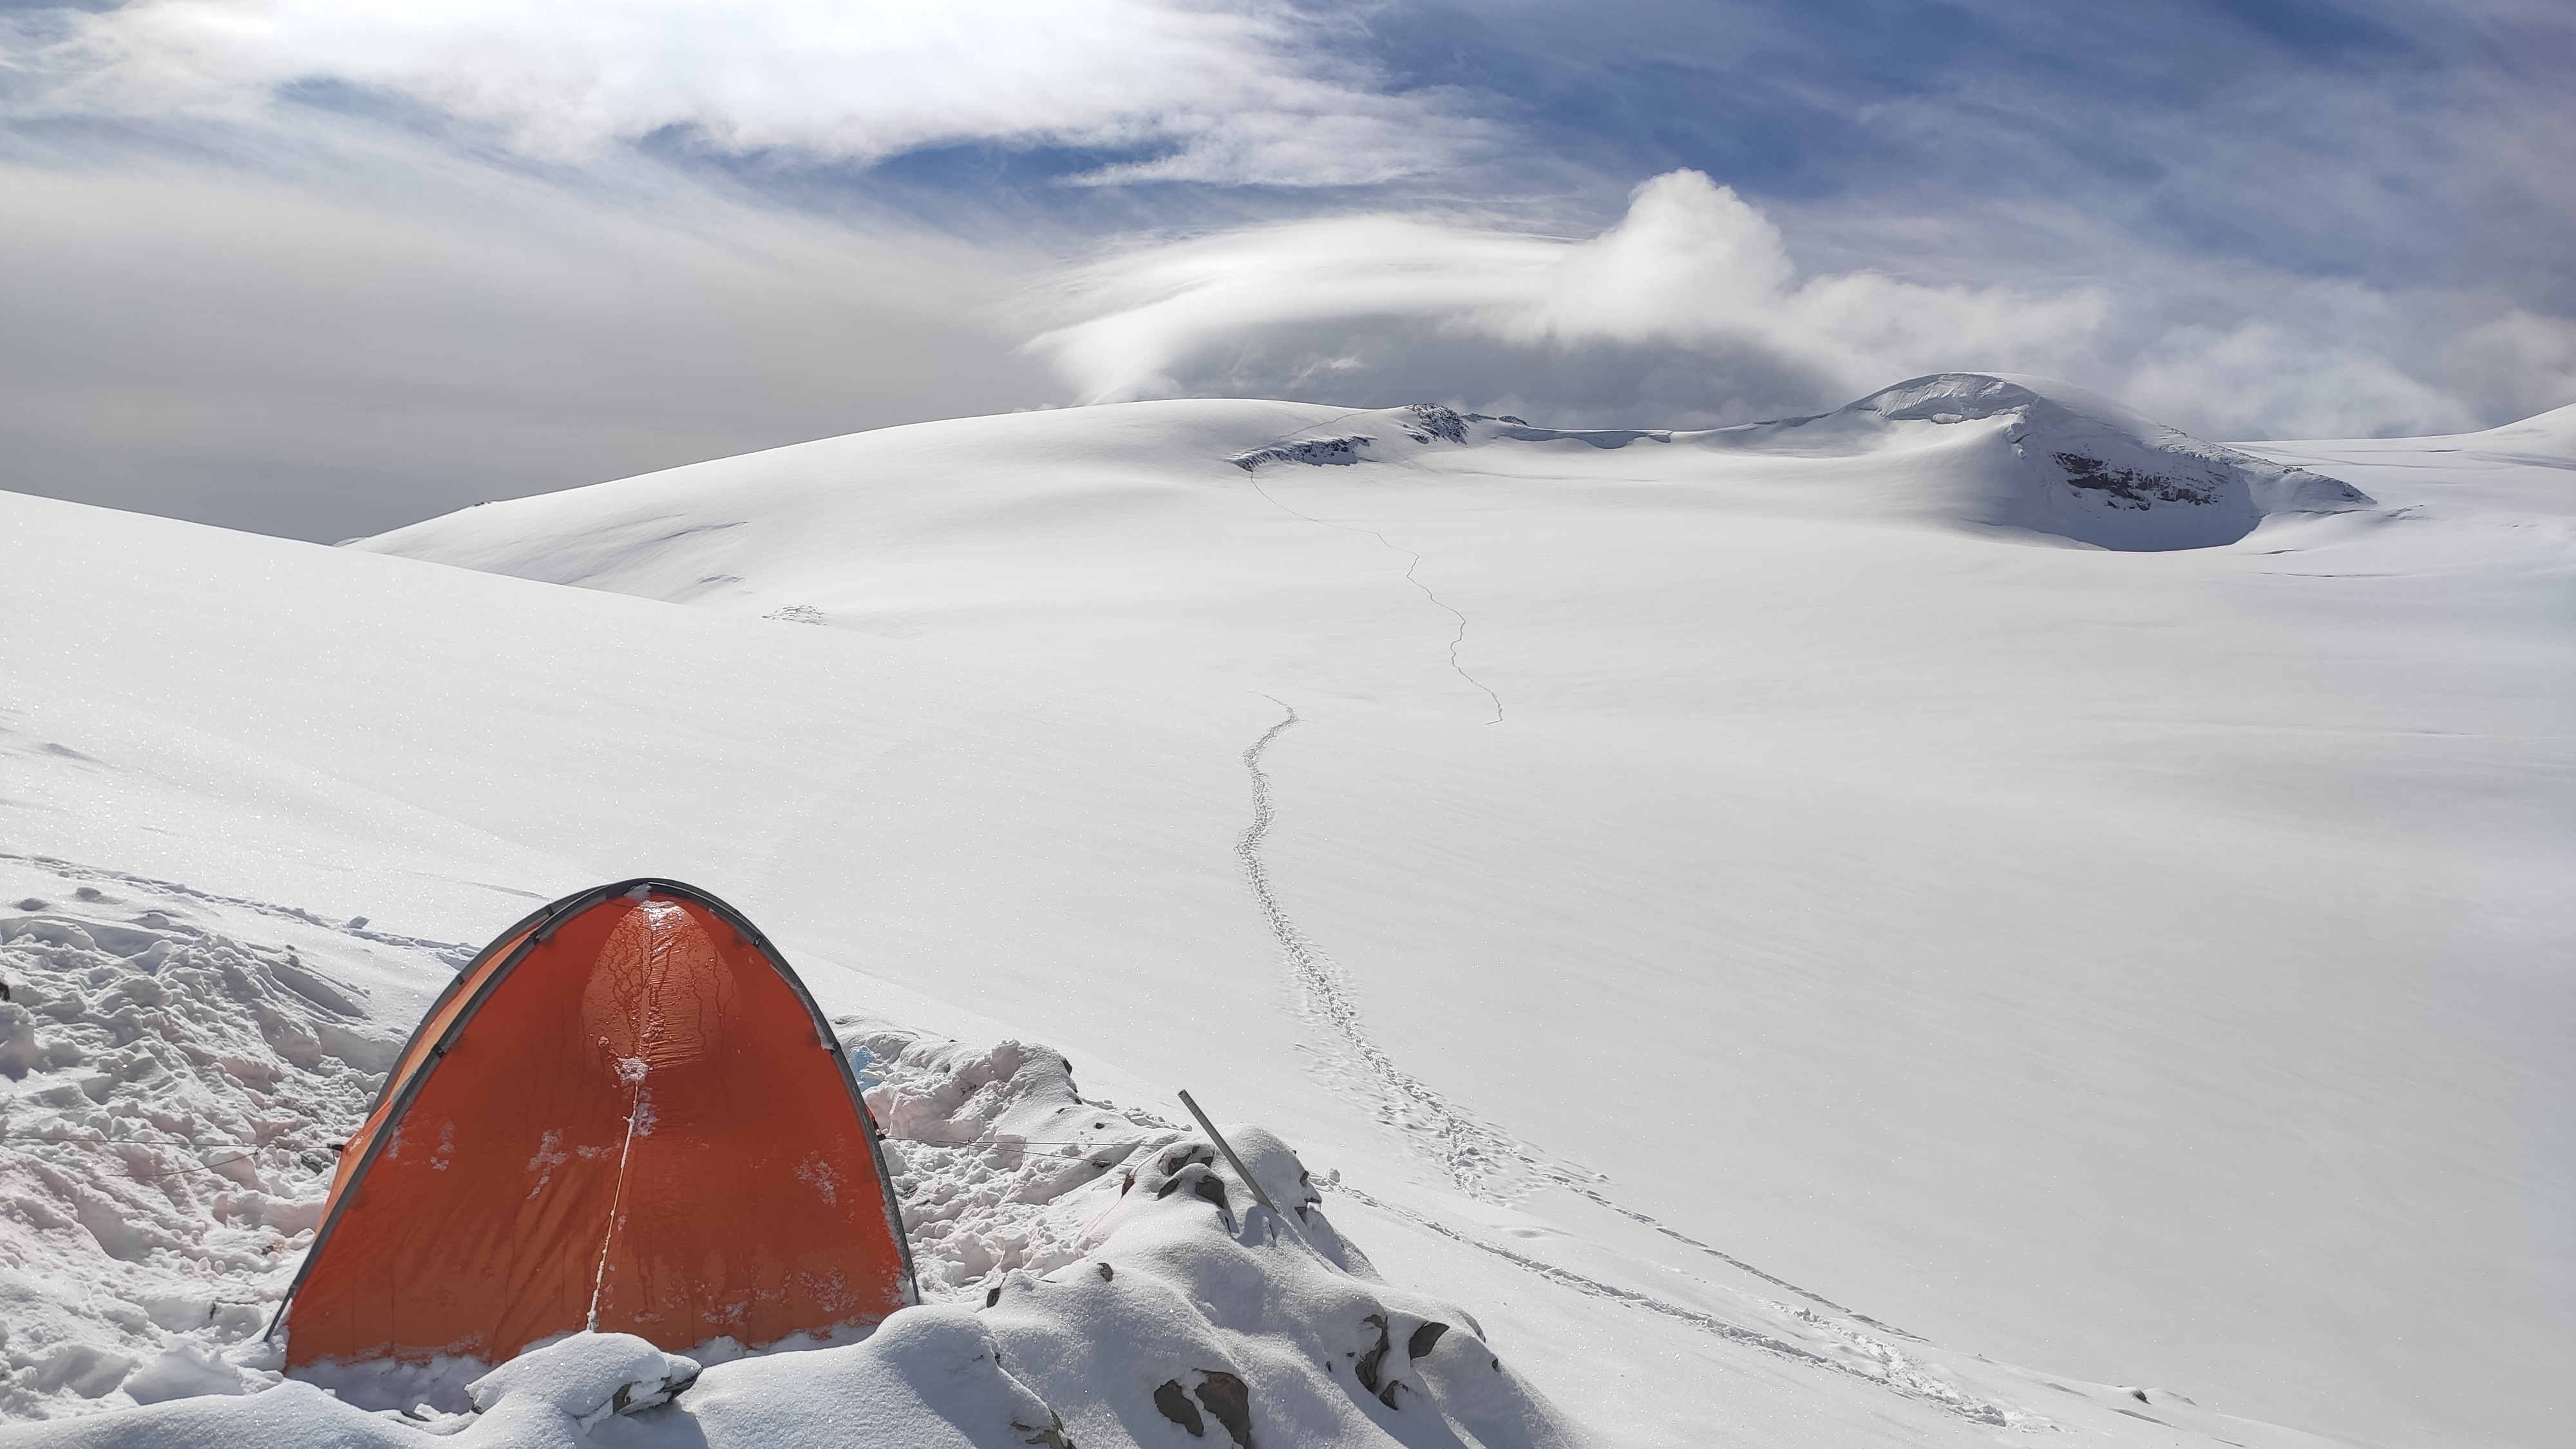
(1690, 303)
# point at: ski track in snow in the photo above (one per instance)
(1894, 1370)
(1733, 1261)
(1455, 640)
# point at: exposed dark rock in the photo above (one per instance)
(2133, 488)
(1366, 1369)
(1318, 452)
(1438, 422)
(1231, 1403)
(1176, 1406)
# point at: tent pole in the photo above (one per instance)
(1228, 1149)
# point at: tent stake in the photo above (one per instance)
(1228, 1149)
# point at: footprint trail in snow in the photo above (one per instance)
(1414, 562)
(1482, 1160)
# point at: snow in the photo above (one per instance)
(1112, 1265)
(1826, 932)
(171, 1091)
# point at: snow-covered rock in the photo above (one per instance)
(586, 1377)
(1995, 450)
(2090, 469)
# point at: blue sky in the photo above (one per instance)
(319, 268)
(2315, 138)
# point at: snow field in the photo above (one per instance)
(1876, 920)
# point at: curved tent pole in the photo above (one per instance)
(400, 1092)
(830, 1041)
(447, 994)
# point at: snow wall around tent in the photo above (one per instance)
(627, 1114)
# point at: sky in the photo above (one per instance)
(320, 267)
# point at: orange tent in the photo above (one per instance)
(627, 1114)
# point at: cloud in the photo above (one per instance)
(317, 266)
(313, 357)
(1250, 94)
(1691, 311)
(1692, 295)
(2395, 142)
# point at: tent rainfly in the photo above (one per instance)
(626, 1115)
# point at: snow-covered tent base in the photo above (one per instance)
(1107, 1279)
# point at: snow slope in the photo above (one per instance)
(1714, 897)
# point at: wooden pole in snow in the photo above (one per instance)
(1227, 1148)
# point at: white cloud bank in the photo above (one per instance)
(318, 358)
(1691, 311)
(1251, 94)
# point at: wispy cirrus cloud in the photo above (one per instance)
(1246, 95)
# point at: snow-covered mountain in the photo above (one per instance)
(1778, 924)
